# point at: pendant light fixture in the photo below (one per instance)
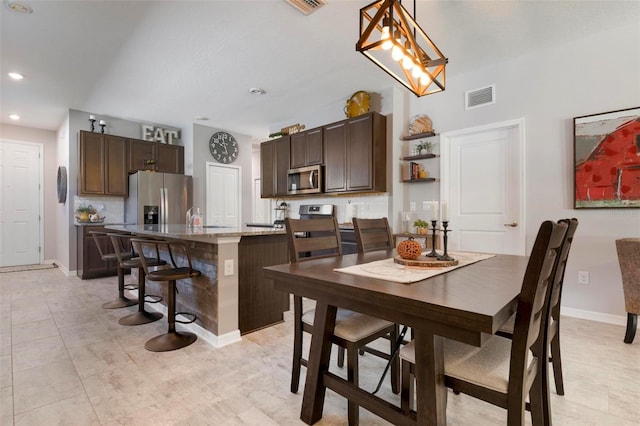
(391, 38)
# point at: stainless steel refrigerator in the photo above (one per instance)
(158, 198)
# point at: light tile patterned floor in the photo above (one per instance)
(64, 360)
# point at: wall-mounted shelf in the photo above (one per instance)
(418, 157)
(419, 180)
(417, 136)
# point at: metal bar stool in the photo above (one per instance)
(142, 316)
(121, 301)
(172, 339)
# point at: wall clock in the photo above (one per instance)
(223, 147)
(357, 104)
(62, 184)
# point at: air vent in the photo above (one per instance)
(306, 7)
(480, 97)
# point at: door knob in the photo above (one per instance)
(512, 224)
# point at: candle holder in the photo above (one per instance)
(433, 252)
(445, 255)
(92, 120)
(102, 126)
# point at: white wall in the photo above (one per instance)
(548, 88)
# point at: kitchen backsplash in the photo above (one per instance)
(364, 206)
(112, 209)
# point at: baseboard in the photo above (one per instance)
(204, 334)
(594, 316)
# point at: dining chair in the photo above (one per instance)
(172, 339)
(628, 250)
(372, 234)
(504, 371)
(315, 239)
(102, 242)
(553, 328)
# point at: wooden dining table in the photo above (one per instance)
(467, 304)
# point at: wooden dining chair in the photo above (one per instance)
(628, 250)
(553, 328)
(504, 371)
(315, 239)
(372, 234)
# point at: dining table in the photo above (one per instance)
(468, 304)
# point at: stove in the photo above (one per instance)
(316, 211)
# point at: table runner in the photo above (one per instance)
(388, 270)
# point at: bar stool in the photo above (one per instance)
(121, 301)
(172, 339)
(142, 316)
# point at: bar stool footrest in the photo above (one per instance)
(130, 287)
(186, 314)
(152, 298)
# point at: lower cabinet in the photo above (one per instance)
(90, 263)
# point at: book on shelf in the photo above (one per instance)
(415, 170)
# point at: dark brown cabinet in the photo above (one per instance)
(355, 154)
(90, 263)
(145, 155)
(103, 160)
(274, 165)
(306, 148)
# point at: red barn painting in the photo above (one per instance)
(607, 159)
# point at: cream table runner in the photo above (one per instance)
(388, 270)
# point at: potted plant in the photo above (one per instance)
(422, 226)
(424, 147)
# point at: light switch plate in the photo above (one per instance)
(228, 267)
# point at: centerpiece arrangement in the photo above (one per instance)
(88, 214)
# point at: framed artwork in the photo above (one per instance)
(607, 159)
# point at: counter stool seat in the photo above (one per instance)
(122, 301)
(172, 339)
(142, 316)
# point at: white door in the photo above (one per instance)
(483, 185)
(223, 195)
(20, 203)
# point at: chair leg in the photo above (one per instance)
(297, 344)
(405, 388)
(352, 377)
(142, 316)
(395, 362)
(173, 339)
(632, 325)
(556, 362)
(341, 356)
(516, 409)
(121, 301)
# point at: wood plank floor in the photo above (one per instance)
(64, 360)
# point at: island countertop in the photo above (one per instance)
(206, 234)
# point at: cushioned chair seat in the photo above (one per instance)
(351, 326)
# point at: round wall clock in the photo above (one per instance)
(223, 147)
(357, 104)
(62, 184)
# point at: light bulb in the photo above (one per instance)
(416, 72)
(385, 35)
(396, 53)
(425, 79)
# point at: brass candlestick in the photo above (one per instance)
(433, 252)
(445, 255)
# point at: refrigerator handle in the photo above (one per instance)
(166, 206)
(163, 210)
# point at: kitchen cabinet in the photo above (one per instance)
(90, 263)
(274, 165)
(355, 154)
(306, 148)
(103, 160)
(145, 155)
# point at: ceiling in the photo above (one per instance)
(167, 62)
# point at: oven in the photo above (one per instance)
(316, 211)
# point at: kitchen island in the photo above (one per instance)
(231, 297)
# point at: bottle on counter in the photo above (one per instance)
(197, 219)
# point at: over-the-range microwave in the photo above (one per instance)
(304, 180)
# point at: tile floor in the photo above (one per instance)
(66, 361)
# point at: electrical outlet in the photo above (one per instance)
(583, 277)
(412, 206)
(228, 267)
(425, 205)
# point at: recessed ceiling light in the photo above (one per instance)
(256, 91)
(200, 118)
(20, 7)
(14, 116)
(16, 75)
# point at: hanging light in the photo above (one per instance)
(417, 63)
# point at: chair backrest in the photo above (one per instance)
(372, 234)
(313, 236)
(533, 307)
(120, 242)
(556, 290)
(629, 259)
(103, 254)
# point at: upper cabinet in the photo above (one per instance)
(103, 160)
(145, 155)
(274, 165)
(355, 154)
(306, 148)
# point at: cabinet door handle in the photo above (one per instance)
(512, 224)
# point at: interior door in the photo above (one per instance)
(20, 203)
(223, 195)
(483, 186)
